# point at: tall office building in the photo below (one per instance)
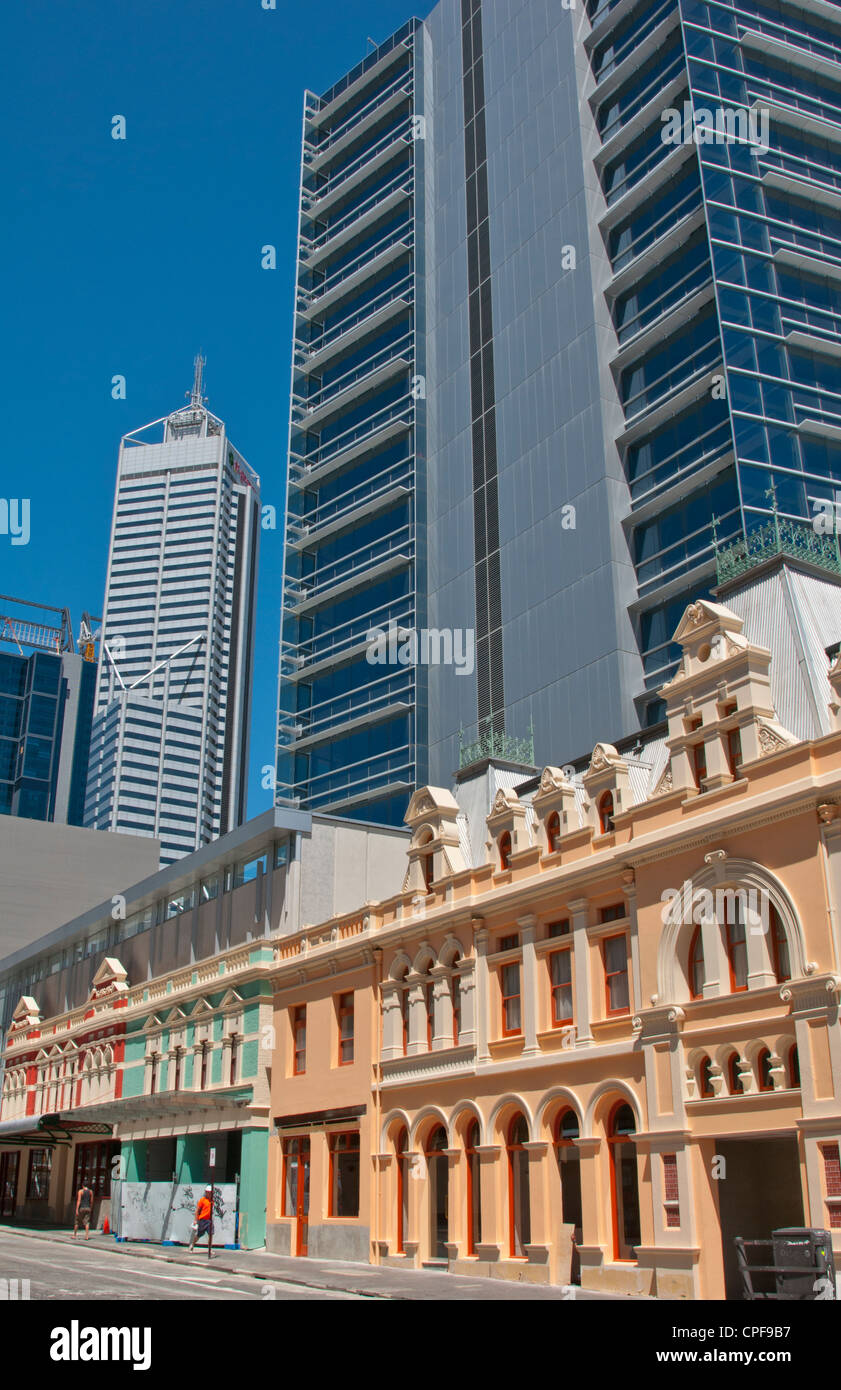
(46, 708)
(169, 750)
(603, 245)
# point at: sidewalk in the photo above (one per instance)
(330, 1275)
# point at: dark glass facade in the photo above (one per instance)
(36, 735)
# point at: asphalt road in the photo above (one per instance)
(62, 1271)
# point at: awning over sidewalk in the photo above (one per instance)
(169, 1104)
(48, 1130)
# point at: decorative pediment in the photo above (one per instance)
(153, 1024)
(110, 978)
(26, 1015)
(175, 1017)
(504, 801)
(665, 783)
(604, 758)
(230, 999)
(201, 1006)
(430, 801)
(773, 737)
(702, 615)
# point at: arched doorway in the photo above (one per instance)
(568, 1156)
(438, 1187)
(400, 1150)
(474, 1187)
(519, 1200)
(624, 1188)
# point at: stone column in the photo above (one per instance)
(629, 889)
(528, 929)
(482, 984)
(491, 1245)
(467, 983)
(417, 1014)
(581, 968)
(442, 1024)
(392, 1020)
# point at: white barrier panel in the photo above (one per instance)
(160, 1211)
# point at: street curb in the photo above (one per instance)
(150, 1252)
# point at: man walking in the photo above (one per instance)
(84, 1208)
(204, 1217)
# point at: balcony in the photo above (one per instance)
(317, 117)
(429, 1066)
(355, 327)
(371, 497)
(362, 120)
(656, 178)
(385, 425)
(317, 202)
(337, 286)
(320, 248)
(391, 360)
(361, 567)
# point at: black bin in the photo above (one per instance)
(809, 1249)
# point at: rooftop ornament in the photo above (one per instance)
(779, 535)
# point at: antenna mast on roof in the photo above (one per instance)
(196, 395)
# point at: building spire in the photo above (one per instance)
(196, 395)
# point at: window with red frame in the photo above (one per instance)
(779, 947)
(606, 821)
(734, 1080)
(793, 1067)
(429, 1002)
(404, 1018)
(505, 850)
(696, 965)
(763, 1071)
(428, 864)
(345, 1029)
(624, 1185)
(38, 1180)
(737, 949)
(92, 1167)
(509, 979)
(734, 751)
(299, 1039)
(560, 971)
(474, 1188)
(455, 994)
(832, 1183)
(401, 1146)
(615, 952)
(699, 764)
(519, 1195)
(553, 832)
(344, 1174)
(234, 1059)
(705, 1072)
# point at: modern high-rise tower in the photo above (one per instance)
(567, 331)
(169, 750)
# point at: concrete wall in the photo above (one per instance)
(51, 873)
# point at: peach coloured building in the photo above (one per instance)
(596, 1036)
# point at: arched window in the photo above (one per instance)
(737, 951)
(705, 1085)
(428, 865)
(519, 1200)
(455, 996)
(505, 850)
(734, 1080)
(779, 947)
(429, 1003)
(400, 1148)
(764, 1078)
(438, 1170)
(624, 1187)
(474, 1188)
(404, 1017)
(793, 1067)
(568, 1157)
(696, 965)
(553, 832)
(606, 822)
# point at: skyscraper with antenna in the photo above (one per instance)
(169, 749)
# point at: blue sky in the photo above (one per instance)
(128, 256)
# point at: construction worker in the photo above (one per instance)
(204, 1217)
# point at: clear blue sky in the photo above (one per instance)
(127, 256)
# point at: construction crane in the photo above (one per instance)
(26, 632)
(89, 634)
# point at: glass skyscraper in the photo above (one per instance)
(46, 708)
(169, 748)
(575, 271)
